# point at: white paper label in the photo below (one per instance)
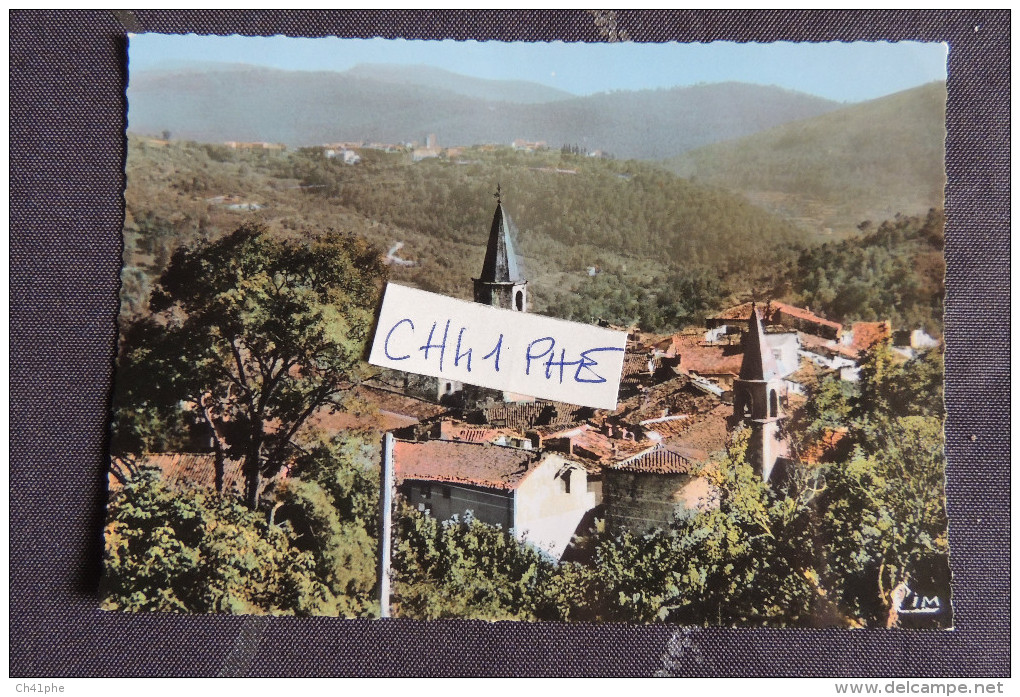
(430, 334)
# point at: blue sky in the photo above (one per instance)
(845, 72)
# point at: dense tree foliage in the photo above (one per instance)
(895, 272)
(825, 546)
(311, 550)
(657, 304)
(184, 550)
(254, 333)
(463, 568)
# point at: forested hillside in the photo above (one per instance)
(614, 240)
(626, 224)
(866, 161)
(894, 272)
(397, 105)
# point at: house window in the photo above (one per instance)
(519, 300)
(446, 492)
(565, 480)
(426, 491)
(773, 404)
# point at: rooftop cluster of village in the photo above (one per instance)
(547, 469)
(348, 151)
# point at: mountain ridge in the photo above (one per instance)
(309, 108)
(867, 161)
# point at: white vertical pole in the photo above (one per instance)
(387, 525)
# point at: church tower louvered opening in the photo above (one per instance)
(501, 283)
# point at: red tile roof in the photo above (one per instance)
(524, 415)
(485, 465)
(450, 429)
(830, 443)
(593, 444)
(671, 428)
(185, 468)
(776, 307)
(867, 334)
(757, 363)
(672, 396)
(742, 313)
(708, 433)
(707, 359)
(658, 461)
(554, 430)
(817, 344)
(378, 420)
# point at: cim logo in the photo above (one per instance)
(911, 603)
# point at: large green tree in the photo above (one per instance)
(251, 334)
(186, 550)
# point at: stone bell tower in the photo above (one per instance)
(756, 399)
(500, 283)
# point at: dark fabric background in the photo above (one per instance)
(67, 79)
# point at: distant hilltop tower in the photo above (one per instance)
(756, 399)
(500, 283)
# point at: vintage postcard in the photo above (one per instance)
(615, 332)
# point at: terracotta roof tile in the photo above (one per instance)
(741, 312)
(828, 347)
(708, 433)
(490, 466)
(658, 461)
(708, 359)
(378, 420)
(553, 430)
(386, 399)
(185, 468)
(770, 311)
(867, 334)
(524, 415)
(673, 396)
(757, 363)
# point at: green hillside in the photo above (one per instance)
(869, 161)
(644, 229)
(895, 272)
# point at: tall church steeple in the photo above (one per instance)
(501, 283)
(758, 363)
(756, 398)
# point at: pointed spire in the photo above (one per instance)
(500, 258)
(758, 363)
